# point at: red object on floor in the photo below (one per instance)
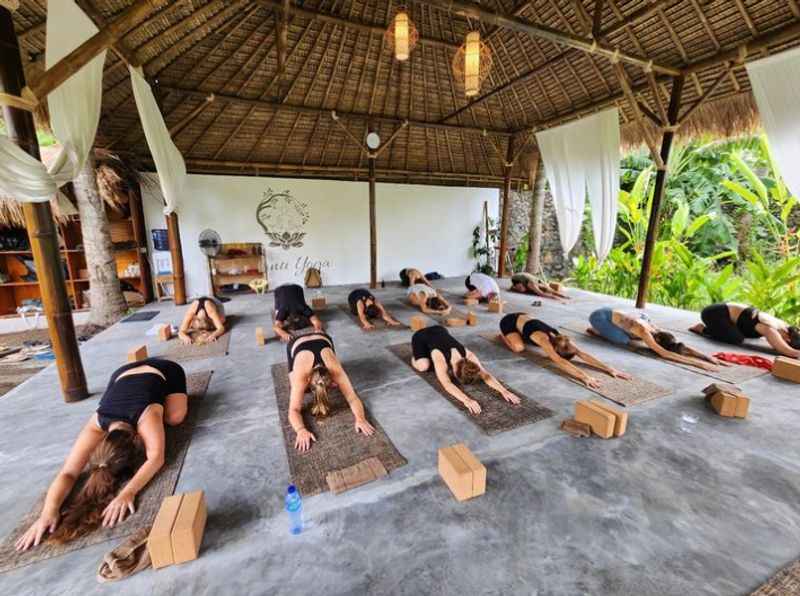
(745, 360)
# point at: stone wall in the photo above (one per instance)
(554, 262)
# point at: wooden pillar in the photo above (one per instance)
(176, 252)
(41, 227)
(537, 184)
(373, 232)
(501, 258)
(660, 188)
(140, 237)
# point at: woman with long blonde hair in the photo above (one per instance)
(313, 365)
(123, 443)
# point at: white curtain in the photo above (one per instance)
(776, 87)
(583, 157)
(169, 161)
(74, 113)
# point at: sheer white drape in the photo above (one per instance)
(169, 161)
(776, 87)
(74, 113)
(582, 158)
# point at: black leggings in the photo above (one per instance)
(719, 326)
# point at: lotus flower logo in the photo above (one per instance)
(282, 218)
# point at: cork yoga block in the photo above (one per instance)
(455, 322)
(177, 531)
(319, 303)
(138, 353)
(165, 332)
(417, 323)
(261, 338)
(601, 422)
(462, 472)
(724, 404)
(496, 307)
(787, 369)
(620, 417)
(472, 319)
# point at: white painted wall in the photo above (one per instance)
(427, 227)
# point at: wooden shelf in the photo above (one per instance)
(19, 284)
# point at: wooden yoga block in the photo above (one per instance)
(724, 404)
(177, 531)
(742, 406)
(601, 422)
(319, 303)
(620, 417)
(261, 338)
(722, 387)
(461, 471)
(357, 475)
(496, 306)
(472, 319)
(787, 369)
(554, 285)
(165, 332)
(417, 323)
(137, 353)
(575, 428)
(455, 322)
(471, 301)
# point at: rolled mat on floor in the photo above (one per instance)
(785, 583)
(147, 502)
(730, 374)
(497, 415)
(128, 558)
(380, 324)
(338, 445)
(625, 393)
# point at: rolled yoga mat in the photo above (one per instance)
(338, 445)
(148, 501)
(730, 374)
(625, 393)
(497, 415)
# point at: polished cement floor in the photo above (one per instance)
(674, 507)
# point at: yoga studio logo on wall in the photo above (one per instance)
(282, 217)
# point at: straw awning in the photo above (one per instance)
(215, 66)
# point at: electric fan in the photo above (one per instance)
(211, 244)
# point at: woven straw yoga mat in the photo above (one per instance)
(757, 347)
(729, 374)
(380, 324)
(497, 415)
(625, 393)
(785, 583)
(148, 501)
(338, 445)
(176, 350)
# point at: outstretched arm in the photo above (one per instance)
(492, 382)
(219, 325)
(600, 365)
(316, 322)
(151, 429)
(362, 317)
(651, 343)
(89, 437)
(775, 339)
(183, 330)
(444, 380)
(389, 319)
(277, 327)
(565, 365)
(304, 438)
(356, 405)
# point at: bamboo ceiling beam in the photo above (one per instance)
(184, 122)
(283, 35)
(42, 85)
(30, 32)
(273, 105)
(634, 105)
(597, 18)
(470, 10)
(703, 98)
(322, 17)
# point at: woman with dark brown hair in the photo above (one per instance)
(434, 346)
(292, 313)
(313, 364)
(518, 329)
(123, 442)
(409, 277)
(428, 300)
(204, 321)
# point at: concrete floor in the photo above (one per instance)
(670, 508)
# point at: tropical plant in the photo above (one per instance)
(484, 238)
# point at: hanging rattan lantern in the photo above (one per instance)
(472, 63)
(402, 34)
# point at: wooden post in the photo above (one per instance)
(537, 184)
(42, 85)
(41, 228)
(373, 232)
(501, 265)
(140, 237)
(661, 185)
(176, 252)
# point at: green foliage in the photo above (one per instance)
(481, 250)
(729, 231)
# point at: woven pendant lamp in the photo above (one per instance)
(472, 63)
(401, 35)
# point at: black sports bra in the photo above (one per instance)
(315, 346)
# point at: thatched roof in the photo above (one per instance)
(261, 123)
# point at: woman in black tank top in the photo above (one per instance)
(123, 444)
(518, 329)
(204, 322)
(313, 365)
(434, 347)
(365, 306)
(733, 323)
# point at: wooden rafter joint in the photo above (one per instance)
(21, 103)
(9, 4)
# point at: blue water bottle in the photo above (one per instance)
(294, 507)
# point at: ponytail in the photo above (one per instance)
(320, 378)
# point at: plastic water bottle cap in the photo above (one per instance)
(292, 489)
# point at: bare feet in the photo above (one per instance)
(698, 329)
